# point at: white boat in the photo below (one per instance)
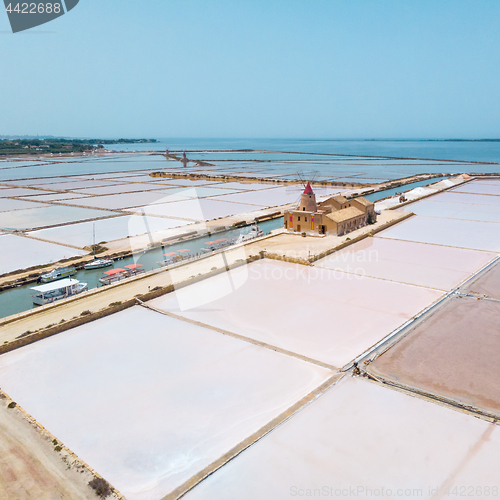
(217, 244)
(46, 294)
(114, 275)
(254, 232)
(98, 264)
(118, 274)
(57, 274)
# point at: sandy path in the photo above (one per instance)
(29, 466)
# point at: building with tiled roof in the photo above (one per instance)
(345, 214)
(336, 215)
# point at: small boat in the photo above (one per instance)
(217, 244)
(114, 275)
(57, 274)
(254, 232)
(98, 264)
(135, 269)
(46, 294)
(119, 274)
(173, 257)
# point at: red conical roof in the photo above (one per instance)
(308, 189)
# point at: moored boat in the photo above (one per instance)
(135, 269)
(174, 257)
(46, 294)
(119, 274)
(217, 244)
(254, 232)
(114, 275)
(57, 274)
(98, 264)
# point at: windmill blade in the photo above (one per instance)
(301, 179)
(314, 175)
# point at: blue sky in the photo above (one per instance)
(211, 68)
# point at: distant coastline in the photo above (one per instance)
(25, 146)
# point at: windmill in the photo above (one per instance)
(312, 175)
(305, 181)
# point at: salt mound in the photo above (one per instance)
(420, 191)
(444, 184)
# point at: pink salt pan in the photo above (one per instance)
(453, 353)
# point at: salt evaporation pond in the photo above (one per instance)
(14, 191)
(466, 198)
(188, 183)
(130, 187)
(447, 232)
(148, 408)
(68, 184)
(430, 266)
(360, 440)
(48, 215)
(17, 252)
(274, 197)
(130, 200)
(452, 354)
(487, 283)
(485, 189)
(81, 167)
(196, 209)
(9, 205)
(110, 229)
(54, 197)
(452, 210)
(280, 303)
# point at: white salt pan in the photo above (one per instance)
(114, 228)
(17, 252)
(197, 209)
(147, 400)
(472, 187)
(8, 204)
(450, 210)
(448, 232)
(407, 262)
(325, 315)
(363, 441)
